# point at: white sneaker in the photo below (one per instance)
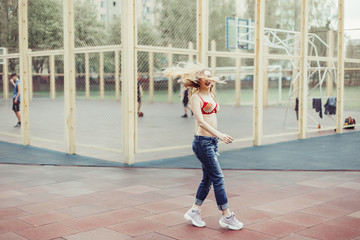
(231, 223)
(194, 217)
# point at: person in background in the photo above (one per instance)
(139, 95)
(184, 92)
(16, 97)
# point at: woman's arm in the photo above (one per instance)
(196, 108)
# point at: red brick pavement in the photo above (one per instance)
(78, 203)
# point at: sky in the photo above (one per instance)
(352, 18)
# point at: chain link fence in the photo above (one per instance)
(167, 33)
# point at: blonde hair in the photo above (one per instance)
(191, 73)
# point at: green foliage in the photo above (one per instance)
(219, 11)
(286, 14)
(88, 30)
(45, 28)
(115, 31)
(45, 24)
(9, 33)
(177, 22)
(147, 34)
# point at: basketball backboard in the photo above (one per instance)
(240, 33)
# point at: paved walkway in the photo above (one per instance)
(332, 152)
(78, 203)
(98, 199)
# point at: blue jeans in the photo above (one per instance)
(206, 150)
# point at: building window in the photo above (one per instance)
(114, 4)
(102, 4)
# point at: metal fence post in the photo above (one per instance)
(237, 81)
(69, 76)
(31, 80)
(330, 54)
(151, 76)
(117, 76)
(87, 76)
(24, 71)
(5, 78)
(101, 73)
(170, 79)
(266, 78)
(202, 31)
(259, 71)
(213, 63)
(340, 70)
(128, 70)
(52, 77)
(303, 84)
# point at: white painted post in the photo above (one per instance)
(151, 76)
(330, 54)
(52, 77)
(101, 73)
(280, 86)
(170, 79)
(296, 68)
(31, 81)
(6, 79)
(213, 63)
(117, 76)
(303, 86)
(340, 70)
(237, 81)
(266, 78)
(129, 89)
(24, 68)
(191, 47)
(203, 30)
(259, 71)
(87, 76)
(69, 76)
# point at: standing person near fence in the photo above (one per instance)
(205, 108)
(16, 97)
(184, 93)
(139, 95)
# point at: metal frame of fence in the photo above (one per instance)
(129, 49)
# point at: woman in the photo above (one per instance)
(205, 108)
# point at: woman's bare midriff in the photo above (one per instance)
(212, 121)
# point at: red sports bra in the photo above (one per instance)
(206, 103)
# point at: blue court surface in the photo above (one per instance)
(332, 152)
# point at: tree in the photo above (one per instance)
(44, 29)
(286, 14)
(45, 24)
(273, 12)
(115, 31)
(88, 30)
(177, 22)
(219, 11)
(9, 33)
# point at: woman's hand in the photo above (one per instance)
(226, 138)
